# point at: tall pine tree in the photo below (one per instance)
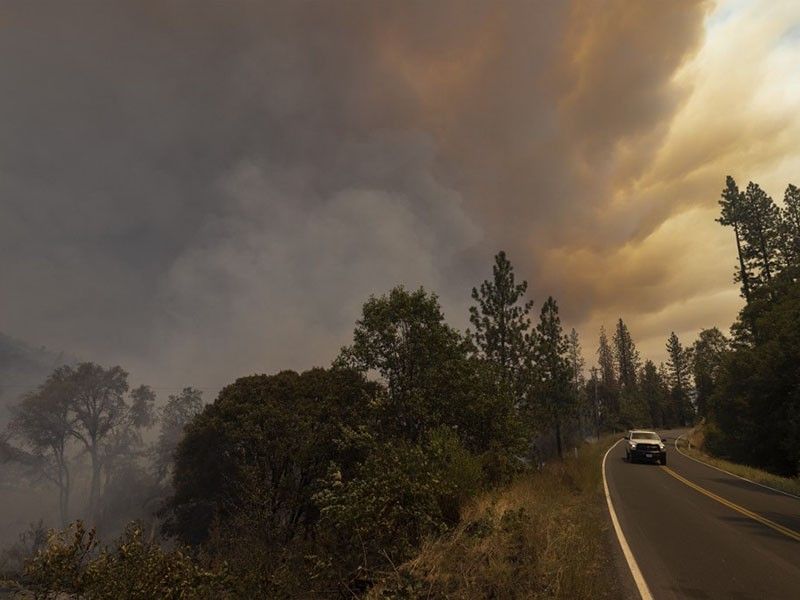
(502, 328)
(790, 227)
(761, 232)
(626, 356)
(632, 410)
(678, 367)
(577, 363)
(609, 394)
(652, 390)
(732, 215)
(555, 391)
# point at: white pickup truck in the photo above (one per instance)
(646, 446)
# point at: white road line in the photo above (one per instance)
(641, 584)
(702, 462)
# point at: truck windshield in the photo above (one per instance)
(643, 435)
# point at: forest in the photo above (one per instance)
(319, 483)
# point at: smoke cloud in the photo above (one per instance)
(201, 190)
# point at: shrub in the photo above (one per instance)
(134, 569)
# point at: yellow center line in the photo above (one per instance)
(747, 513)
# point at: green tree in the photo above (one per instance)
(628, 363)
(554, 374)
(576, 359)
(761, 232)
(586, 413)
(669, 415)
(255, 456)
(653, 390)
(678, 367)
(609, 388)
(592, 393)
(502, 328)
(626, 356)
(431, 378)
(732, 215)
(790, 227)
(708, 353)
(403, 337)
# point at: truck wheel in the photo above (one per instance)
(664, 460)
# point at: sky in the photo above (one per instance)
(204, 190)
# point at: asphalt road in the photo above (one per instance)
(697, 532)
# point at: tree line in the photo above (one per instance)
(751, 395)
(322, 481)
(329, 477)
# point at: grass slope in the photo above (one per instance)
(543, 536)
(790, 485)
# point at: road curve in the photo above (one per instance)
(697, 532)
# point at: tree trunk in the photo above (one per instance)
(63, 498)
(94, 490)
(558, 439)
(742, 270)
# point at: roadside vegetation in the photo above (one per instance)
(545, 535)
(790, 485)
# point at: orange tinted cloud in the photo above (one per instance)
(250, 172)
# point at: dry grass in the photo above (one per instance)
(543, 536)
(790, 485)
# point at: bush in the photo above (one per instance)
(30, 541)
(134, 569)
(399, 496)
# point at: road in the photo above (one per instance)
(696, 532)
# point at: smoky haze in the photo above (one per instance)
(198, 191)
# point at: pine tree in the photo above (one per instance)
(632, 410)
(668, 416)
(609, 398)
(576, 360)
(502, 328)
(594, 400)
(551, 352)
(626, 356)
(652, 390)
(732, 210)
(577, 364)
(605, 357)
(790, 227)
(761, 232)
(678, 369)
